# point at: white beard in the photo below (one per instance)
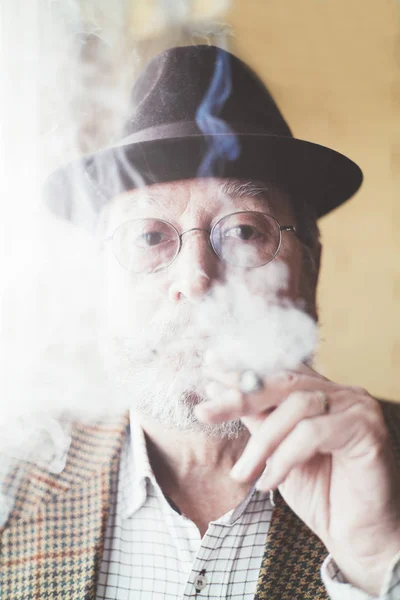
(154, 355)
(158, 373)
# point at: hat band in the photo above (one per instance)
(188, 129)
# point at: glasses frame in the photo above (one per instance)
(282, 228)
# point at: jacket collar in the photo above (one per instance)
(93, 447)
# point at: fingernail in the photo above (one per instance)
(265, 480)
(265, 484)
(241, 470)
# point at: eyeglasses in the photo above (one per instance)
(245, 239)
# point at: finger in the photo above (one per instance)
(289, 381)
(308, 369)
(227, 403)
(299, 378)
(267, 437)
(222, 376)
(221, 404)
(350, 433)
(215, 371)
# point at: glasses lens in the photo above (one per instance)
(246, 239)
(145, 245)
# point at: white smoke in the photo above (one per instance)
(67, 67)
(155, 351)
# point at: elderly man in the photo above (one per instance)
(176, 502)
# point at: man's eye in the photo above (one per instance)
(243, 232)
(151, 238)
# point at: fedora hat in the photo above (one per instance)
(199, 111)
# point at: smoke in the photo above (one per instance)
(66, 72)
(155, 351)
(67, 68)
(221, 147)
(257, 328)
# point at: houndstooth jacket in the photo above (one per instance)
(52, 543)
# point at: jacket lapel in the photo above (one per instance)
(52, 544)
(292, 559)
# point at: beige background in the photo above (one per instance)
(333, 67)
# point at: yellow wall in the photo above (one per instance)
(333, 67)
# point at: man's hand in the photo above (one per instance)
(336, 470)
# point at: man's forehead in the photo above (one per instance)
(211, 194)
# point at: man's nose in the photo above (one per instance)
(195, 269)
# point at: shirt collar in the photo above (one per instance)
(135, 469)
(139, 456)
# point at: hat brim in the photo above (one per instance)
(318, 175)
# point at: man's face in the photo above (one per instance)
(151, 346)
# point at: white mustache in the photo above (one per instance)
(187, 325)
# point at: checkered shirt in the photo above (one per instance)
(153, 551)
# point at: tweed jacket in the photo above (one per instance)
(52, 543)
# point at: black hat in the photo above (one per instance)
(199, 111)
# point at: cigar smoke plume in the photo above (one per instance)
(160, 364)
(66, 73)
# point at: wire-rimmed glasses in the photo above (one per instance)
(246, 239)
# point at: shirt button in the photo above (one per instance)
(200, 582)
